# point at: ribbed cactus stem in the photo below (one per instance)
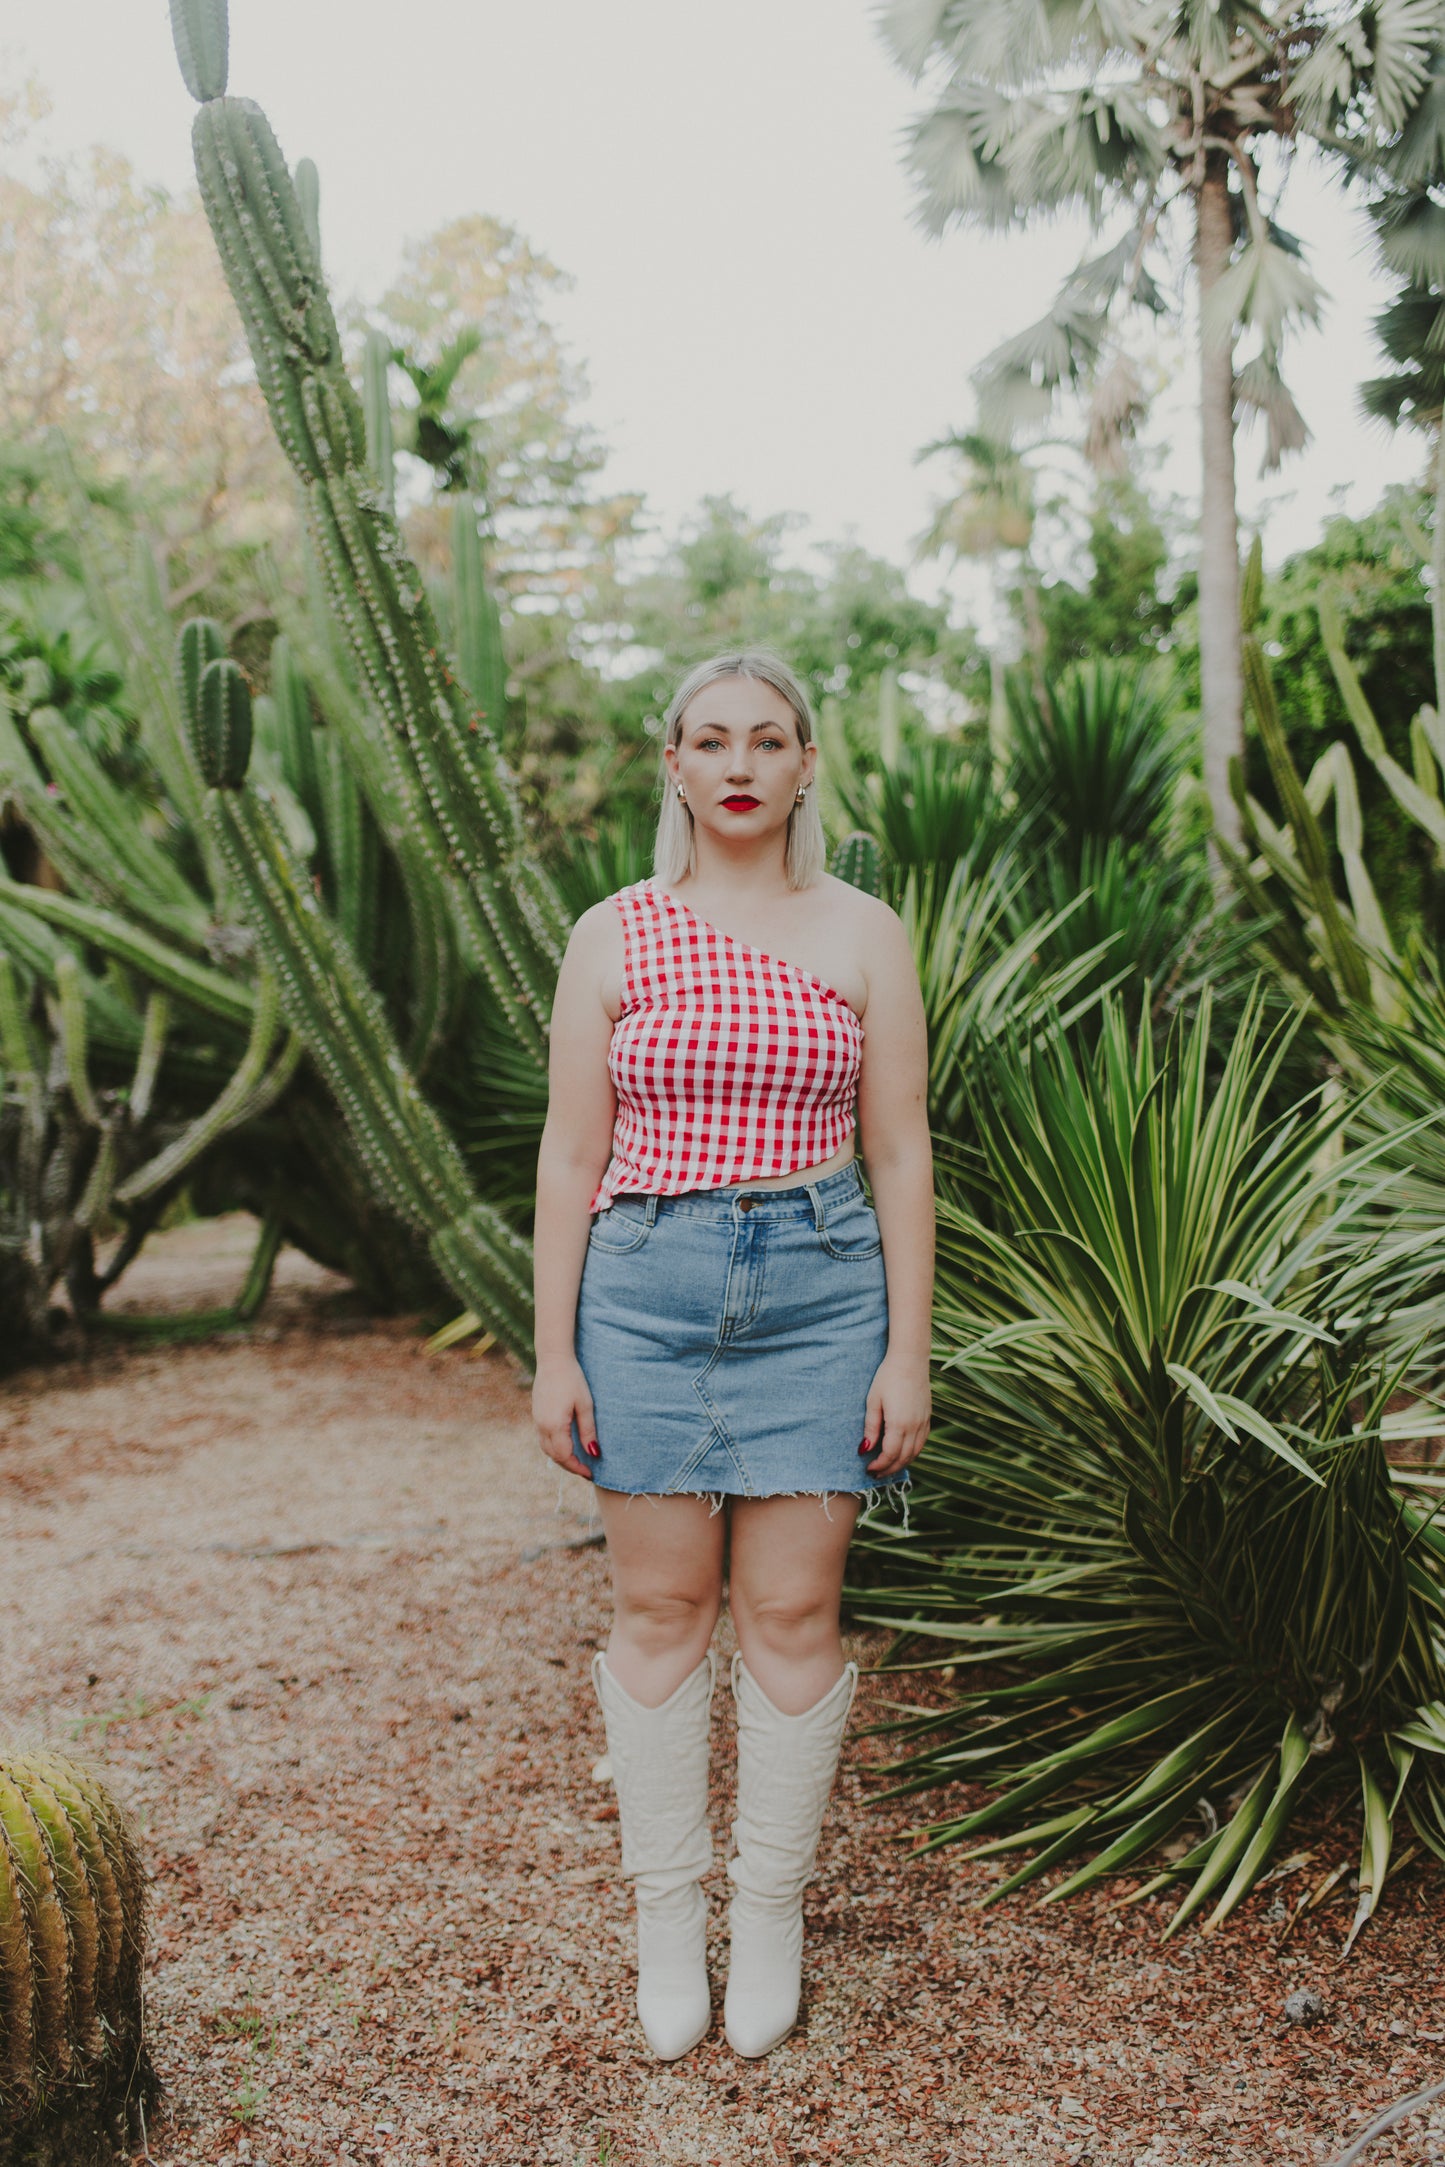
(89, 829)
(96, 1196)
(518, 926)
(408, 1154)
(376, 358)
(295, 734)
(201, 642)
(859, 860)
(128, 867)
(478, 621)
(17, 1047)
(201, 30)
(241, 1099)
(398, 808)
(74, 1038)
(221, 724)
(148, 1061)
(209, 990)
(308, 195)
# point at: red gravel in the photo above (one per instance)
(305, 1599)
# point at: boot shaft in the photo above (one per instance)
(786, 1770)
(659, 1760)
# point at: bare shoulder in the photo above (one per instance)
(598, 924)
(595, 953)
(871, 922)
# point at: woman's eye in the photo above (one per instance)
(765, 744)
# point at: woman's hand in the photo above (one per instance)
(900, 1407)
(559, 1398)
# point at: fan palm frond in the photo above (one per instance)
(1260, 389)
(1267, 288)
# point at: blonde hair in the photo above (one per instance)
(675, 853)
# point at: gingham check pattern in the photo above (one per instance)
(729, 1063)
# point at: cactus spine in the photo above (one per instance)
(72, 1937)
(512, 918)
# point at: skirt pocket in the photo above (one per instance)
(850, 1230)
(620, 1229)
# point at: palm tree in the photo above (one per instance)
(1409, 181)
(990, 515)
(1159, 117)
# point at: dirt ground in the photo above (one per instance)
(315, 1606)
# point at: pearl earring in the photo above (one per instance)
(802, 794)
(681, 795)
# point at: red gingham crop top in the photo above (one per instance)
(729, 1063)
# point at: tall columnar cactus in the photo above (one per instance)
(511, 917)
(409, 1156)
(72, 1943)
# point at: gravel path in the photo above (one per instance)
(308, 1600)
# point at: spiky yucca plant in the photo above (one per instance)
(1157, 1492)
(72, 1944)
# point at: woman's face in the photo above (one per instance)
(739, 758)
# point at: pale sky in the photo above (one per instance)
(756, 313)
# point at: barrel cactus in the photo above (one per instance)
(73, 2059)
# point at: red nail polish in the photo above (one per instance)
(595, 1449)
(865, 1447)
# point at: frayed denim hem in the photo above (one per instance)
(887, 1497)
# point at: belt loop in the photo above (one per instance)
(652, 1204)
(817, 1204)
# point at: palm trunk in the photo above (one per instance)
(1220, 662)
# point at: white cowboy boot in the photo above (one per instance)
(786, 1766)
(659, 1765)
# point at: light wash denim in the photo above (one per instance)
(729, 1337)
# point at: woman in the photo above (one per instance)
(724, 1320)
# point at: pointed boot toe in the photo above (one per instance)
(674, 2003)
(764, 1986)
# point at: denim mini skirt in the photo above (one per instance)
(729, 1338)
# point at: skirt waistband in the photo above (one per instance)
(804, 1198)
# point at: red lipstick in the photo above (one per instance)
(741, 804)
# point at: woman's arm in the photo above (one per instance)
(894, 1139)
(576, 1145)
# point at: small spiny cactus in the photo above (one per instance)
(72, 1939)
(859, 861)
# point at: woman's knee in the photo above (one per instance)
(667, 1617)
(787, 1618)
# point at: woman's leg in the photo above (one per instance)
(666, 1558)
(784, 1583)
(793, 1693)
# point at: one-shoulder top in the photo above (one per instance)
(730, 1064)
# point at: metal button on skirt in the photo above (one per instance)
(729, 1338)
